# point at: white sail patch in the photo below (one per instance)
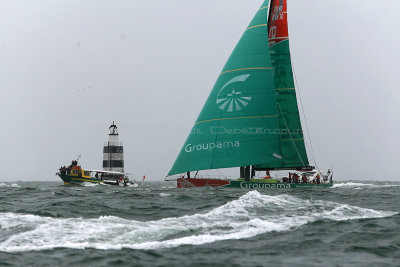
(277, 156)
(233, 102)
(240, 78)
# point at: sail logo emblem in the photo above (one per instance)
(233, 100)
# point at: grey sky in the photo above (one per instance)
(69, 68)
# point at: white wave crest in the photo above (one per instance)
(362, 185)
(88, 184)
(250, 215)
(9, 185)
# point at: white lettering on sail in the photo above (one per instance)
(211, 146)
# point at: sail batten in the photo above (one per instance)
(237, 118)
(256, 68)
(261, 25)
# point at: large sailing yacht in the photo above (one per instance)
(251, 118)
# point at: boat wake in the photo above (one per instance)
(87, 184)
(250, 215)
(362, 185)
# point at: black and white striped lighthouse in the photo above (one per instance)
(113, 152)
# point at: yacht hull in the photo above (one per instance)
(191, 182)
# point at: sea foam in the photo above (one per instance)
(362, 185)
(9, 185)
(250, 215)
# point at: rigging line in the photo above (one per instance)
(222, 174)
(304, 116)
(287, 127)
(309, 149)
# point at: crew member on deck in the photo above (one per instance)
(296, 178)
(304, 178)
(268, 176)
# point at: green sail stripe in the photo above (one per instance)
(256, 117)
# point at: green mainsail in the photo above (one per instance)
(243, 121)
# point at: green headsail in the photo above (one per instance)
(246, 119)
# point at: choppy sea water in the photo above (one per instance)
(355, 223)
